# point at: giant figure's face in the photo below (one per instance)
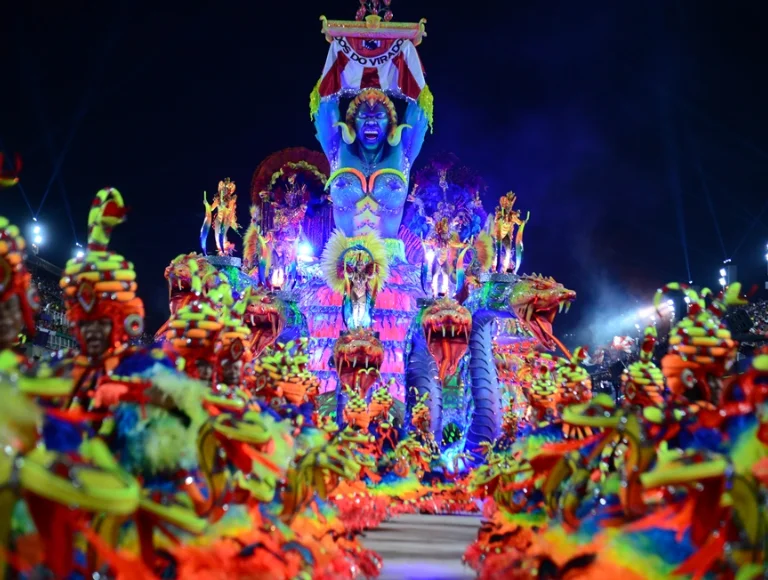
(371, 125)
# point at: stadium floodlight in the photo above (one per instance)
(722, 272)
(36, 232)
(722, 281)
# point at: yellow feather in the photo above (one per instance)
(331, 261)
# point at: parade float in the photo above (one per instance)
(372, 348)
(397, 278)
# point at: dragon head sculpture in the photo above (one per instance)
(447, 325)
(536, 301)
(265, 316)
(358, 356)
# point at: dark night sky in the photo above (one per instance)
(609, 122)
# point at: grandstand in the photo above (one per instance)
(52, 332)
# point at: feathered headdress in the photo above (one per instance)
(15, 280)
(339, 250)
(102, 284)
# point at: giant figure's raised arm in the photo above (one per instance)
(328, 133)
(413, 137)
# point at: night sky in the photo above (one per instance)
(636, 136)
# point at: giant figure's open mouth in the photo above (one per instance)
(371, 135)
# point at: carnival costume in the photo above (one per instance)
(630, 499)
(15, 280)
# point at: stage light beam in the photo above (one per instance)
(306, 252)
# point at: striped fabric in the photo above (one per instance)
(392, 65)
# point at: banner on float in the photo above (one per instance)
(389, 64)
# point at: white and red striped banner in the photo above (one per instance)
(392, 65)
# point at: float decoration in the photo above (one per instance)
(447, 214)
(373, 52)
(222, 215)
(447, 326)
(358, 356)
(507, 229)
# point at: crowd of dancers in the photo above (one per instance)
(205, 455)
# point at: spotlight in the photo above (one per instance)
(36, 232)
(722, 271)
(79, 253)
(722, 281)
(306, 252)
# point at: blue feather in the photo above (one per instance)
(62, 436)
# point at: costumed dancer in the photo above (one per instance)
(356, 268)
(193, 332)
(658, 491)
(233, 354)
(179, 279)
(19, 301)
(102, 307)
(59, 491)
